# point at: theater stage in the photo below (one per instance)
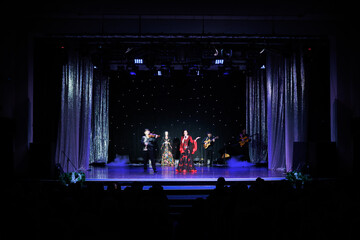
(204, 174)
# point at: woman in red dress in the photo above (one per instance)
(188, 147)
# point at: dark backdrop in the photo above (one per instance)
(212, 102)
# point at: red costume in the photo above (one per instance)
(187, 148)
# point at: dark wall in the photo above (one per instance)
(15, 103)
(49, 58)
(317, 74)
(347, 104)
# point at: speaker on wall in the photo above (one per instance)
(323, 159)
(300, 156)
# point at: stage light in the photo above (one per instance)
(138, 61)
(194, 71)
(162, 71)
(227, 53)
(262, 67)
(133, 73)
(219, 61)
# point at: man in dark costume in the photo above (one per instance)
(208, 143)
(244, 140)
(148, 141)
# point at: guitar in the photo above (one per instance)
(208, 142)
(244, 140)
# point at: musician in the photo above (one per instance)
(243, 137)
(244, 140)
(208, 143)
(148, 141)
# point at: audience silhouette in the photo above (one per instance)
(251, 210)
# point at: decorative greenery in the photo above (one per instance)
(72, 178)
(297, 177)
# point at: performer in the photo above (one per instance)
(188, 147)
(208, 144)
(244, 140)
(148, 141)
(166, 147)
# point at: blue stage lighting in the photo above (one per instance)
(226, 73)
(138, 61)
(219, 61)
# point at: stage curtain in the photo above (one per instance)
(286, 106)
(100, 118)
(295, 107)
(73, 144)
(256, 123)
(83, 135)
(275, 83)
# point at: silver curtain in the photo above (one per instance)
(275, 87)
(256, 123)
(276, 109)
(100, 118)
(83, 128)
(73, 144)
(286, 112)
(295, 109)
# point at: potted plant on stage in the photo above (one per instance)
(297, 178)
(72, 178)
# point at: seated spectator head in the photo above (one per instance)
(220, 182)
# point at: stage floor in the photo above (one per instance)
(131, 173)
